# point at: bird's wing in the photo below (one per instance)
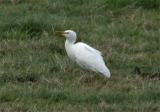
(88, 48)
(88, 57)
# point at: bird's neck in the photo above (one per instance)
(70, 49)
(69, 43)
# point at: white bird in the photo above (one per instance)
(83, 54)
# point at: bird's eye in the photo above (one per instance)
(66, 32)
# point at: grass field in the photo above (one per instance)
(37, 76)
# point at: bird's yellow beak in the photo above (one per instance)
(60, 33)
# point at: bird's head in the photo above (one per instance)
(69, 34)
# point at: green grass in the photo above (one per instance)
(37, 76)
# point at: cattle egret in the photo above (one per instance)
(83, 54)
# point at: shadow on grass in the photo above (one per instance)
(5, 78)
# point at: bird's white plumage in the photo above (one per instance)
(85, 56)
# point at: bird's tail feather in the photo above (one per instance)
(106, 73)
